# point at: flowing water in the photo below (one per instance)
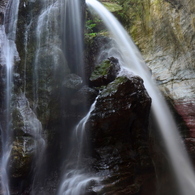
(72, 34)
(77, 176)
(8, 56)
(45, 42)
(133, 61)
(46, 48)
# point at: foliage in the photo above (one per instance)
(90, 25)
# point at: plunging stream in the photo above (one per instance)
(133, 62)
(77, 176)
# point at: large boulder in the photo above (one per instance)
(118, 128)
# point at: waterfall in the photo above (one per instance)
(46, 47)
(72, 34)
(133, 62)
(45, 40)
(77, 176)
(8, 56)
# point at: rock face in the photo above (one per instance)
(119, 119)
(164, 31)
(105, 72)
(3, 4)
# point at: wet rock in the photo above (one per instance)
(105, 72)
(93, 48)
(3, 4)
(72, 81)
(22, 154)
(186, 108)
(119, 119)
(27, 140)
(85, 95)
(190, 145)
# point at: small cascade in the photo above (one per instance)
(77, 176)
(46, 48)
(133, 62)
(8, 56)
(46, 41)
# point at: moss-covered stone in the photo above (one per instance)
(101, 70)
(105, 72)
(112, 88)
(112, 7)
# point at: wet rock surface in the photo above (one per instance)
(119, 119)
(105, 72)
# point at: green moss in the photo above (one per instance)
(101, 70)
(112, 7)
(113, 86)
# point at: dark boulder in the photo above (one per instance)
(119, 134)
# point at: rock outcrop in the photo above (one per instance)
(118, 121)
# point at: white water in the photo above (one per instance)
(72, 34)
(8, 56)
(77, 178)
(133, 61)
(46, 41)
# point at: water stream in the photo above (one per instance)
(45, 40)
(133, 62)
(8, 56)
(77, 176)
(46, 48)
(72, 34)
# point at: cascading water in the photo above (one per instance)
(8, 56)
(72, 34)
(77, 176)
(133, 62)
(46, 42)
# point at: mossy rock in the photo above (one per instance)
(112, 88)
(105, 73)
(112, 7)
(101, 70)
(22, 154)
